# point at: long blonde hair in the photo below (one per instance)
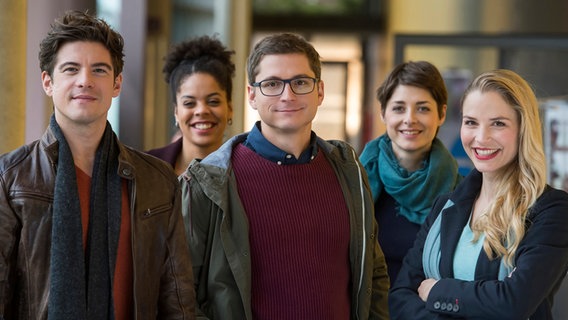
(524, 179)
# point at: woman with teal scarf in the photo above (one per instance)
(408, 167)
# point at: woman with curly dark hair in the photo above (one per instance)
(199, 73)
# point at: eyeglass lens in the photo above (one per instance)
(275, 87)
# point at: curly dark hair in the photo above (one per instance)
(203, 54)
(75, 26)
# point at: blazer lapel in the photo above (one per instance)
(453, 221)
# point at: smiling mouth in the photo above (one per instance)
(83, 98)
(410, 132)
(203, 126)
(485, 152)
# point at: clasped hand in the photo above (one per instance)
(425, 287)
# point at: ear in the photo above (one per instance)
(47, 83)
(443, 115)
(176, 112)
(251, 92)
(320, 92)
(381, 113)
(117, 86)
(230, 114)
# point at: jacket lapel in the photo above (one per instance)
(453, 220)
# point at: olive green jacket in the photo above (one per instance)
(217, 231)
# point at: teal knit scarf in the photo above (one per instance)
(415, 191)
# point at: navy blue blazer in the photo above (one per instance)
(541, 262)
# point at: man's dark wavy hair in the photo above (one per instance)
(80, 26)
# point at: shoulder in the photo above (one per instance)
(222, 156)
(12, 158)
(169, 152)
(553, 201)
(15, 158)
(337, 147)
(553, 194)
(371, 150)
(144, 165)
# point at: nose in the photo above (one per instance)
(288, 94)
(85, 79)
(483, 134)
(201, 108)
(409, 116)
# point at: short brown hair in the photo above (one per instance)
(80, 26)
(421, 74)
(282, 43)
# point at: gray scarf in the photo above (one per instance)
(81, 278)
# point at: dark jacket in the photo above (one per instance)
(168, 153)
(218, 235)
(162, 276)
(540, 265)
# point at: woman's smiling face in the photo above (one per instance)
(412, 120)
(490, 131)
(202, 111)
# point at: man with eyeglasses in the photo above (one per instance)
(280, 222)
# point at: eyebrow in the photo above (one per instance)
(417, 102)
(94, 65)
(302, 75)
(501, 118)
(211, 95)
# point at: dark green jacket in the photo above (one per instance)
(217, 229)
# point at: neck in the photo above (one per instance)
(83, 142)
(293, 142)
(482, 201)
(410, 161)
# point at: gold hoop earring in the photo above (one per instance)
(230, 121)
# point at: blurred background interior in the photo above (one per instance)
(359, 40)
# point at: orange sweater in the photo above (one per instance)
(122, 286)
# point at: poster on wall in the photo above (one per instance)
(555, 119)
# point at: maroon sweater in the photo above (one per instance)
(299, 237)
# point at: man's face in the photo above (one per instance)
(82, 84)
(287, 113)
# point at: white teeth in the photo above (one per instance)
(202, 126)
(410, 132)
(485, 152)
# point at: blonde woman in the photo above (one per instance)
(497, 247)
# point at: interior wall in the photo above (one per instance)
(437, 17)
(40, 15)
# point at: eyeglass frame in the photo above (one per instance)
(285, 81)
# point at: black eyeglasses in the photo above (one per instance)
(275, 87)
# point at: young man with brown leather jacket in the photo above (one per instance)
(83, 232)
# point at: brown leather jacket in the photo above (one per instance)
(163, 280)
